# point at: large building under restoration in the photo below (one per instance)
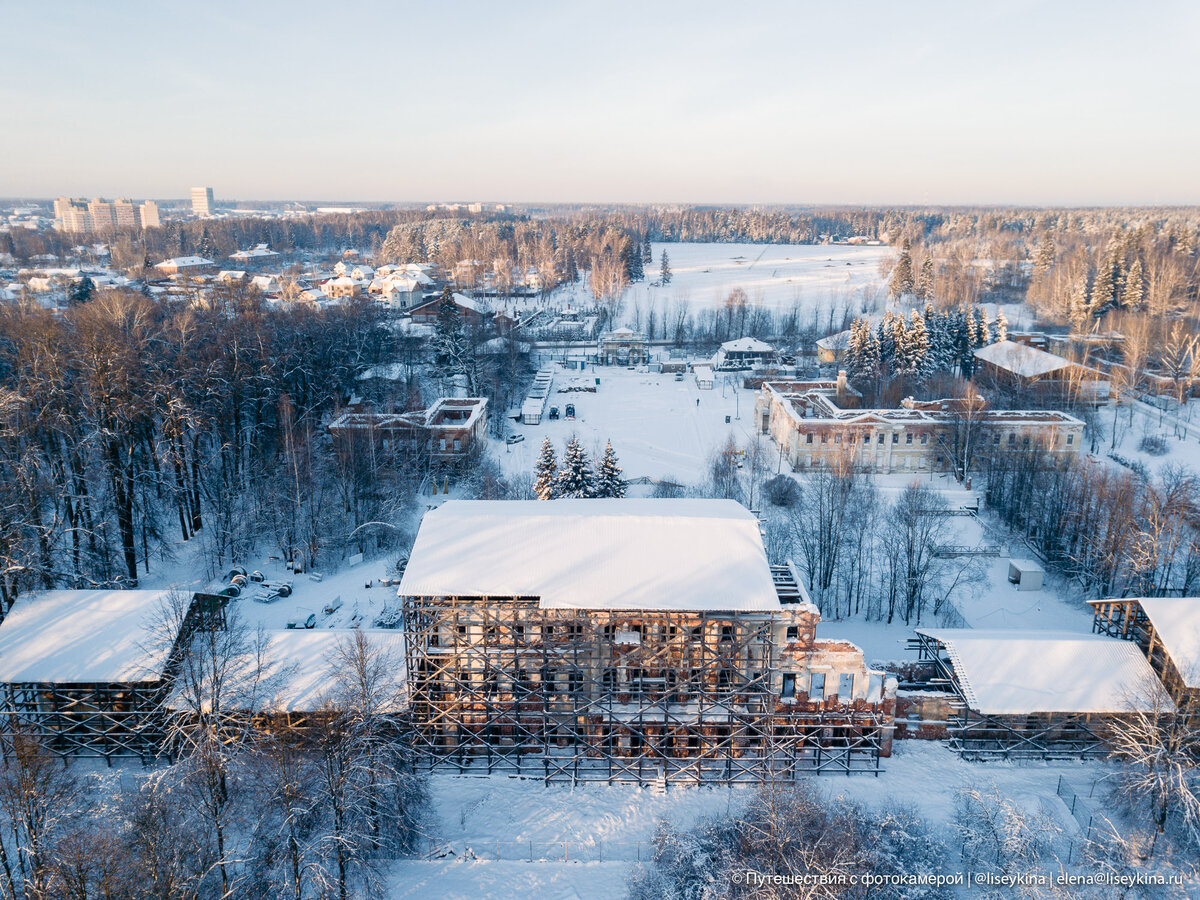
(626, 640)
(820, 425)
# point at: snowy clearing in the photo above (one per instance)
(478, 818)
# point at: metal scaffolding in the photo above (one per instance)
(499, 683)
(1037, 735)
(116, 719)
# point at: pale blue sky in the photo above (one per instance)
(835, 102)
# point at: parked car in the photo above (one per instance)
(554, 412)
(514, 439)
(231, 591)
(570, 410)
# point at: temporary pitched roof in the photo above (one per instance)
(1017, 673)
(1176, 621)
(298, 665)
(1021, 359)
(594, 554)
(84, 637)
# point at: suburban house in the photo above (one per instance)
(626, 640)
(257, 257)
(471, 312)
(818, 424)
(342, 287)
(744, 353)
(186, 265)
(832, 349)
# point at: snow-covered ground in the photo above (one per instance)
(658, 426)
(478, 818)
(775, 275)
(1179, 429)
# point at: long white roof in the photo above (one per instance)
(294, 670)
(1021, 359)
(595, 554)
(1016, 673)
(84, 637)
(1176, 621)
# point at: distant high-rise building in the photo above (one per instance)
(150, 215)
(102, 214)
(202, 201)
(125, 214)
(73, 214)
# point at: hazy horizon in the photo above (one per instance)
(1029, 104)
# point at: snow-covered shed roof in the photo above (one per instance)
(1003, 673)
(839, 341)
(84, 637)
(595, 554)
(747, 345)
(1176, 621)
(296, 668)
(1021, 359)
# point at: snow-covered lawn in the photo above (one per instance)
(477, 816)
(655, 423)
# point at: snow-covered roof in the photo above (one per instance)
(297, 671)
(1176, 621)
(747, 345)
(259, 250)
(595, 554)
(1016, 673)
(1021, 359)
(183, 262)
(84, 637)
(839, 341)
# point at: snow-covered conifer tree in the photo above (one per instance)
(575, 478)
(1000, 331)
(608, 475)
(545, 483)
(902, 276)
(664, 272)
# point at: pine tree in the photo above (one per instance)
(608, 475)
(81, 291)
(1133, 291)
(1043, 257)
(206, 247)
(664, 272)
(912, 348)
(447, 335)
(631, 255)
(924, 286)
(647, 251)
(1108, 276)
(1078, 309)
(1000, 332)
(902, 275)
(982, 334)
(575, 478)
(545, 483)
